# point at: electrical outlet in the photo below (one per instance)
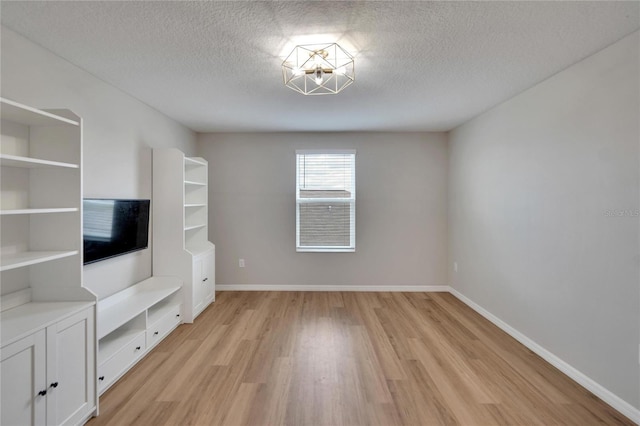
(241, 263)
(455, 266)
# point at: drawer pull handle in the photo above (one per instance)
(54, 384)
(42, 392)
(155, 333)
(205, 279)
(101, 378)
(137, 348)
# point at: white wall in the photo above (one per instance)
(543, 202)
(401, 224)
(119, 134)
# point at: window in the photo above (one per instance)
(326, 201)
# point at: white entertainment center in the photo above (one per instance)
(60, 346)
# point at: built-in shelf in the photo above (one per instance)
(197, 250)
(116, 340)
(47, 319)
(159, 310)
(180, 228)
(14, 111)
(191, 162)
(126, 305)
(31, 163)
(190, 182)
(27, 258)
(38, 211)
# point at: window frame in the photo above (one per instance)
(351, 201)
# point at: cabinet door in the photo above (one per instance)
(209, 278)
(71, 369)
(23, 397)
(198, 288)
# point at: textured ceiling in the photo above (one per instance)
(215, 66)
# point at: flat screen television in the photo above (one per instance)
(114, 227)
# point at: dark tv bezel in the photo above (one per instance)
(84, 262)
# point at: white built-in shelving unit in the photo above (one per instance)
(180, 227)
(47, 319)
(41, 157)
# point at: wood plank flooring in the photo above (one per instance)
(312, 358)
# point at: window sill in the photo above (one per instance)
(325, 250)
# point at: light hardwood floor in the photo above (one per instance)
(303, 358)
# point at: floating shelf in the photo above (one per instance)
(38, 211)
(191, 227)
(32, 163)
(195, 205)
(26, 258)
(14, 111)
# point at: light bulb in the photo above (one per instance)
(318, 75)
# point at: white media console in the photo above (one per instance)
(133, 321)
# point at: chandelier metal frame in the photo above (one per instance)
(318, 69)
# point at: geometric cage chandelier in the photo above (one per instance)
(318, 69)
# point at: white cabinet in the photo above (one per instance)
(127, 355)
(180, 227)
(167, 317)
(24, 381)
(48, 376)
(132, 322)
(203, 281)
(209, 275)
(71, 369)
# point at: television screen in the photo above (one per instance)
(114, 227)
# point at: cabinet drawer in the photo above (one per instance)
(158, 330)
(111, 369)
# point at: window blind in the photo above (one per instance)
(98, 226)
(325, 201)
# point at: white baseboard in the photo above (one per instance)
(372, 288)
(600, 391)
